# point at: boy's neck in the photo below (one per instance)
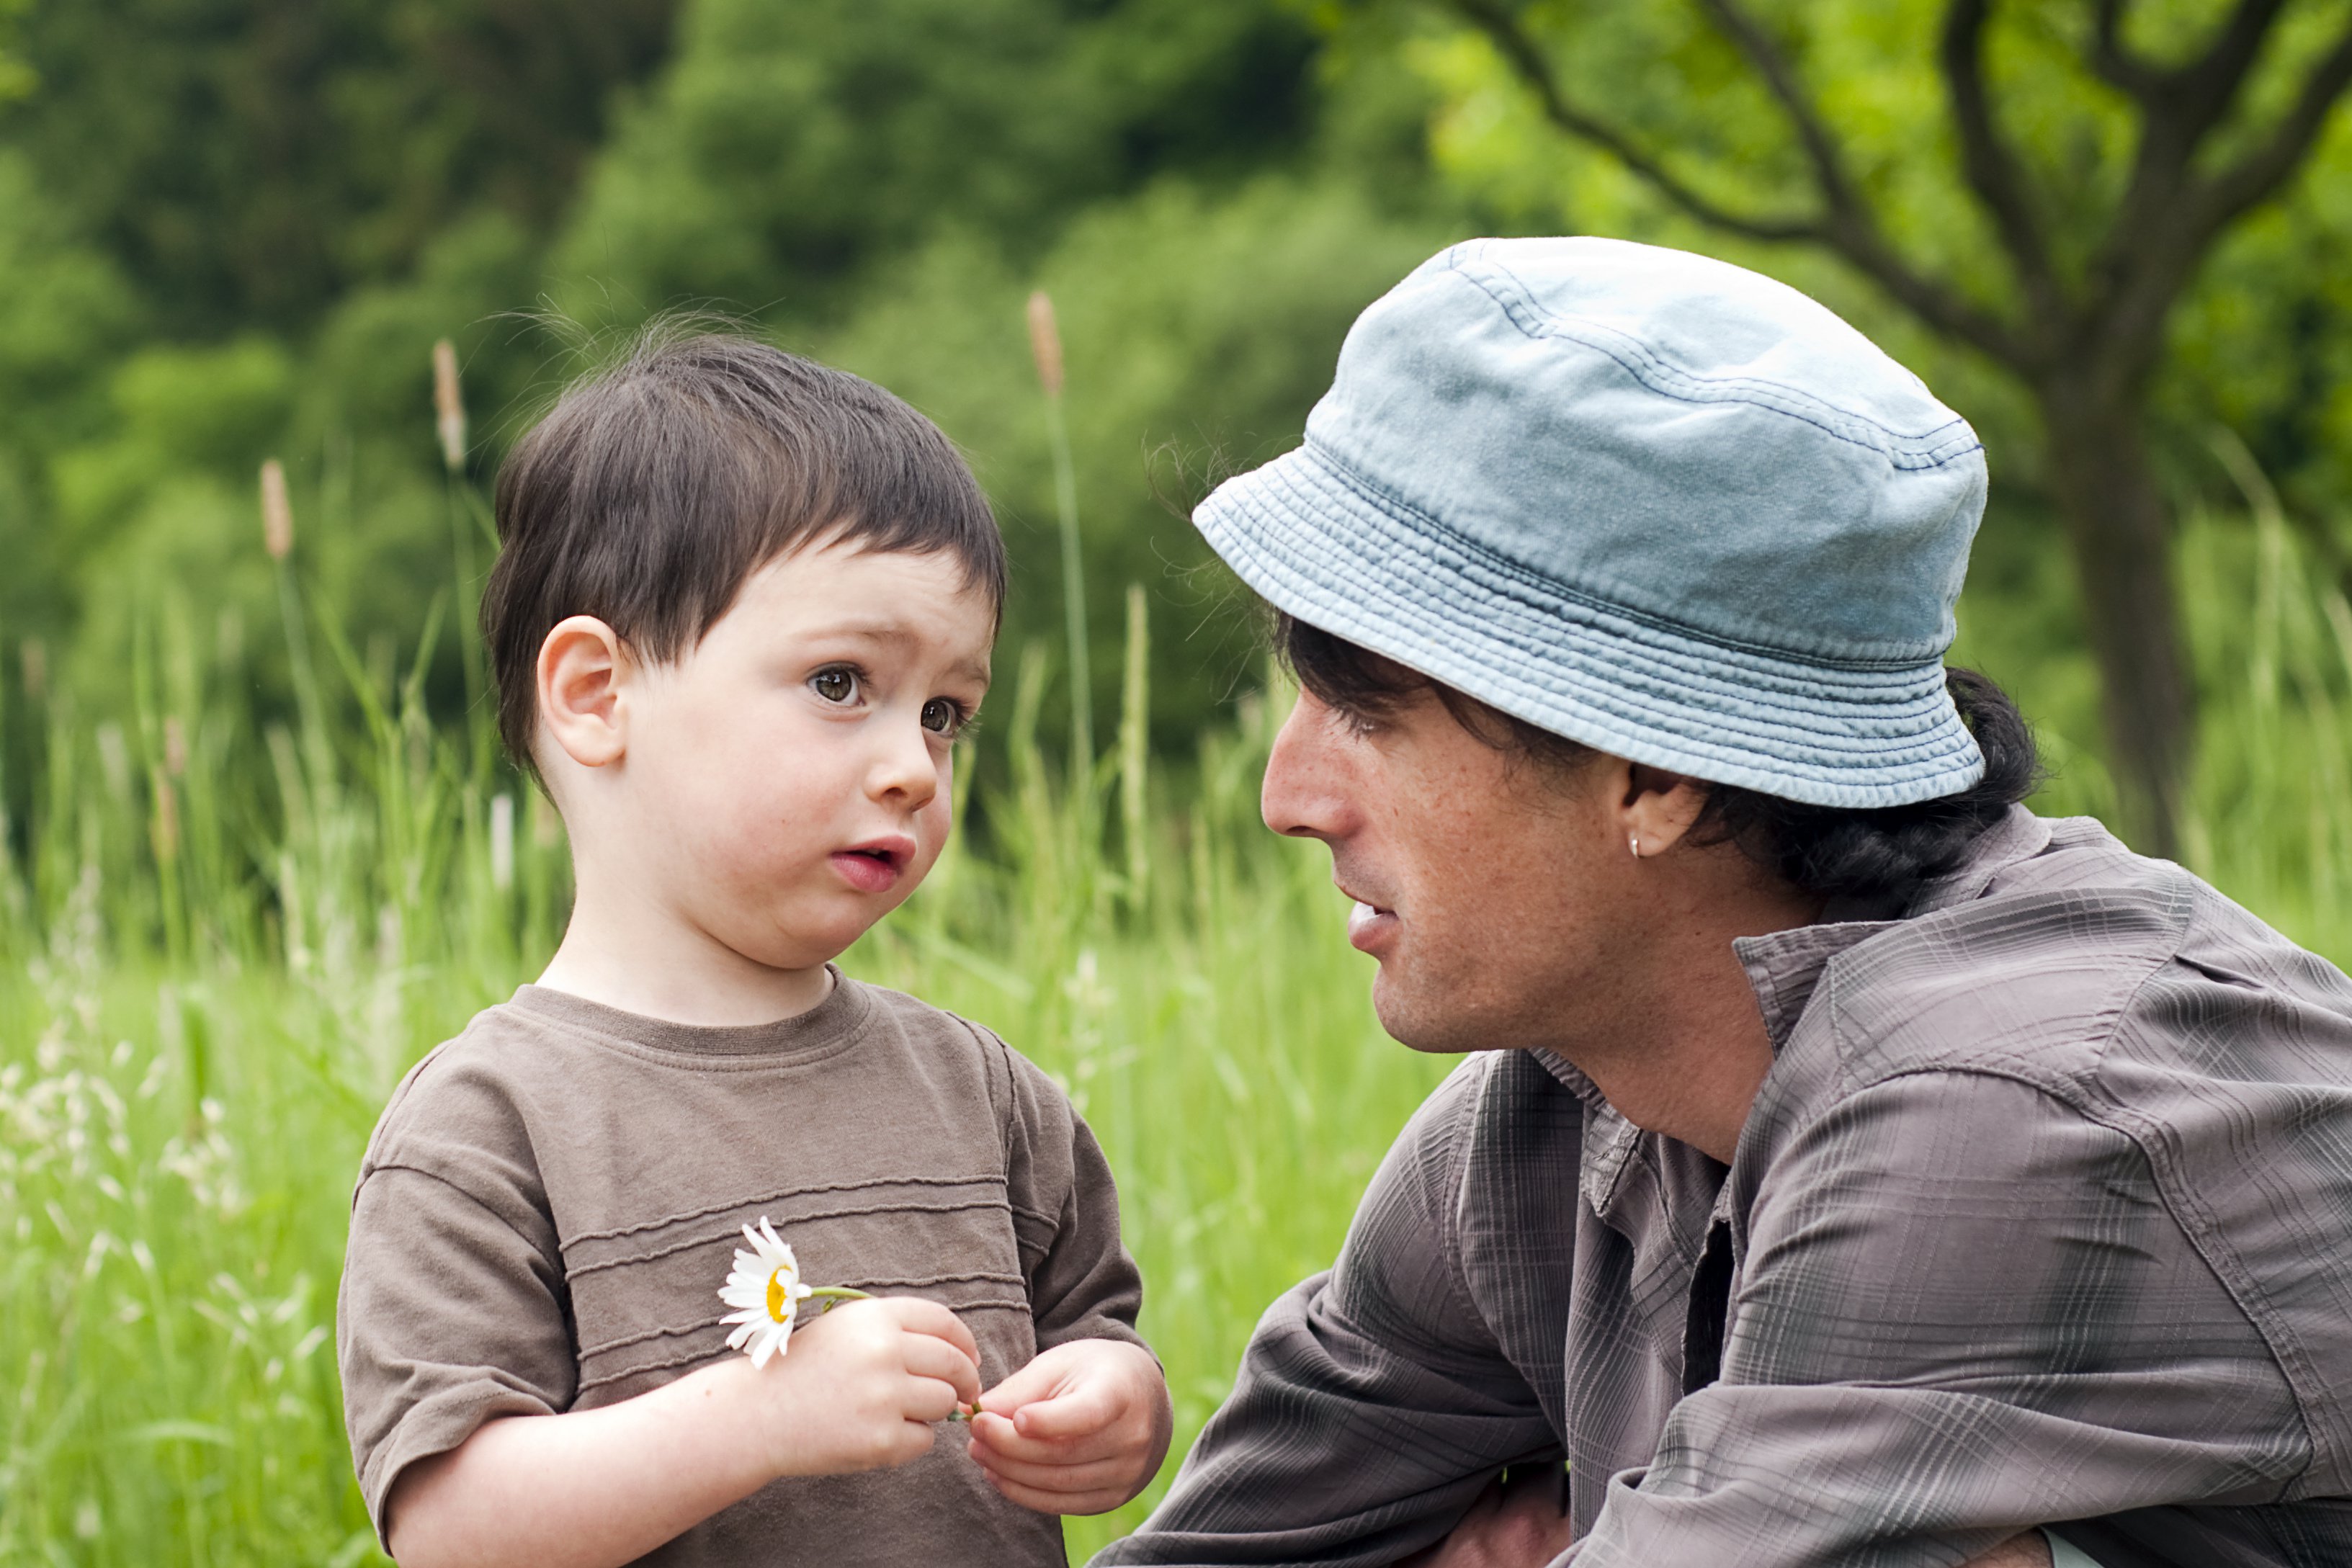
(637, 956)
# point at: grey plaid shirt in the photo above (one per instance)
(2043, 1214)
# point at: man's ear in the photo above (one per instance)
(583, 673)
(1659, 808)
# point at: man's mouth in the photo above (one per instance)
(1370, 924)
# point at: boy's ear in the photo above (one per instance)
(583, 671)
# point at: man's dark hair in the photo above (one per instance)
(1879, 854)
(656, 486)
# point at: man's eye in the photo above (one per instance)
(835, 685)
(942, 715)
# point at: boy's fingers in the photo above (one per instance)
(926, 1400)
(1095, 1475)
(1039, 1501)
(917, 1315)
(1000, 1436)
(1089, 1407)
(935, 1360)
(1033, 1382)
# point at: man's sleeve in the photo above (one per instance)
(1372, 1404)
(1965, 1309)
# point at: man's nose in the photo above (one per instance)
(1302, 795)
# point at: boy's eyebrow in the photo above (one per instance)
(899, 635)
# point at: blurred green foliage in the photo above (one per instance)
(232, 229)
(2262, 344)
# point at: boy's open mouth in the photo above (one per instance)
(872, 866)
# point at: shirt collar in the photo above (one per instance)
(1784, 966)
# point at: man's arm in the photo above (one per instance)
(1524, 1524)
(1372, 1404)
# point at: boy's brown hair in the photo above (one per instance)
(655, 487)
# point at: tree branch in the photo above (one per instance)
(1750, 38)
(2168, 217)
(2262, 172)
(2110, 60)
(1845, 229)
(2203, 90)
(1526, 60)
(1990, 166)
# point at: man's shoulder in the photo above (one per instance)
(2068, 958)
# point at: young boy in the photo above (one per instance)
(743, 606)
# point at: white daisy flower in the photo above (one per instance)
(766, 1289)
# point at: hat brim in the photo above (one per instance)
(1318, 543)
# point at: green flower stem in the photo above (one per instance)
(829, 1294)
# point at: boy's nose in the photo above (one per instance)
(904, 768)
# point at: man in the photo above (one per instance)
(1856, 1169)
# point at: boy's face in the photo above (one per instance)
(786, 783)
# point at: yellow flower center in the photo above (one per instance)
(777, 1298)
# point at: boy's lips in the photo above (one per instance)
(876, 864)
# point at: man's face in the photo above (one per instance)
(788, 780)
(1485, 882)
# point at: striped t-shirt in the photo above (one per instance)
(552, 1200)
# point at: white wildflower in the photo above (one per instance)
(765, 1287)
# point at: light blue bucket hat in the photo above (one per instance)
(1651, 502)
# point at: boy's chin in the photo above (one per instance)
(799, 943)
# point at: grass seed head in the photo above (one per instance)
(277, 511)
(448, 406)
(1046, 342)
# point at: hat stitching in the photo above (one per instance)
(1789, 777)
(1646, 365)
(1406, 511)
(1696, 659)
(1662, 706)
(1547, 324)
(1603, 722)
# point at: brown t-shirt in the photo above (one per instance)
(552, 1200)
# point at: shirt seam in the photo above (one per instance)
(379, 1168)
(2070, 1091)
(1935, 447)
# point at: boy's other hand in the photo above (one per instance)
(1080, 1429)
(858, 1387)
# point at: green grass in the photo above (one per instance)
(221, 942)
(209, 989)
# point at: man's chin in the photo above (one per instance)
(1412, 1021)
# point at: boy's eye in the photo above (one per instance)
(942, 715)
(837, 685)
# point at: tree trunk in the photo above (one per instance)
(2120, 532)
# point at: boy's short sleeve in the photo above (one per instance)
(452, 1312)
(1082, 1283)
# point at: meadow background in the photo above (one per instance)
(257, 851)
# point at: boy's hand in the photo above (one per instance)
(1080, 1429)
(858, 1387)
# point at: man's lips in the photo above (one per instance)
(876, 864)
(1370, 924)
